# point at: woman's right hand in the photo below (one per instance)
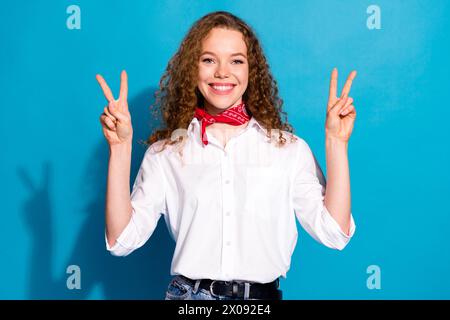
(116, 119)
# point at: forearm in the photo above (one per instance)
(118, 201)
(337, 197)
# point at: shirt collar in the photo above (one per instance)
(194, 126)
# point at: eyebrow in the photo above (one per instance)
(232, 55)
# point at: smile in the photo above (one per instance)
(221, 89)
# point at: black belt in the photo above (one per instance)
(263, 291)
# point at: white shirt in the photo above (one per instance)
(232, 210)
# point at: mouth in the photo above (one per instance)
(222, 88)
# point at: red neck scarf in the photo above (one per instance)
(235, 116)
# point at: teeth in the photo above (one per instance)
(222, 88)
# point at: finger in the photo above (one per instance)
(123, 86)
(348, 84)
(333, 87)
(111, 125)
(106, 90)
(106, 111)
(350, 109)
(112, 108)
(107, 122)
(347, 103)
(103, 118)
(338, 106)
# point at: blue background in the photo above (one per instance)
(53, 156)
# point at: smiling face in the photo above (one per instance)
(223, 69)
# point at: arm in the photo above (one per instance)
(309, 190)
(341, 115)
(130, 218)
(118, 202)
(337, 196)
(118, 131)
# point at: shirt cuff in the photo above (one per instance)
(340, 238)
(124, 243)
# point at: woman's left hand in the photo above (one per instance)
(341, 113)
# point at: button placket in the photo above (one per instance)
(227, 202)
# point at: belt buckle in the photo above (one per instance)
(234, 284)
(211, 286)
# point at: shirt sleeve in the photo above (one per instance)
(308, 195)
(147, 202)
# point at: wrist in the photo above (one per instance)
(121, 148)
(334, 142)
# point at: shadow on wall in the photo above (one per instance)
(144, 274)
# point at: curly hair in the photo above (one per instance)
(178, 95)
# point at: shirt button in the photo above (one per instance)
(227, 181)
(228, 243)
(228, 213)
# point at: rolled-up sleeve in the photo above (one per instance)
(309, 186)
(147, 202)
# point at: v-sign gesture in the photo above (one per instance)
(341, 113)
(116, 119)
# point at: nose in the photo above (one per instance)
(221, 72)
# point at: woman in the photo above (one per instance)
(226, 171)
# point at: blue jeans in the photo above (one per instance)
(180, 289)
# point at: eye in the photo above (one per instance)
(207, 59)
(238, 61)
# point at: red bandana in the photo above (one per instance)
(235, 116)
